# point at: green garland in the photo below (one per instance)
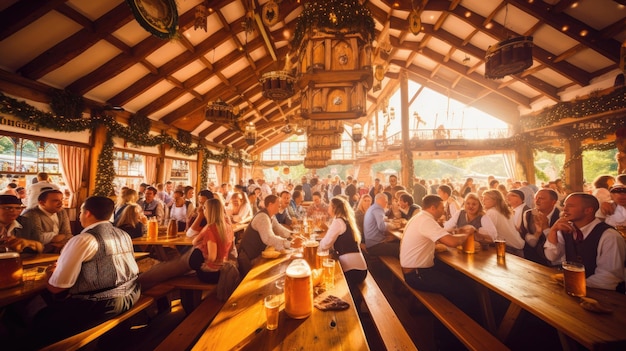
(615, 100)
(135, 133)
(106, 169)
(65, 103)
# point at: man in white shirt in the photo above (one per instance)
(515, 199)
(417, 257)
(449, 203)
(33, 191)
(579, 236)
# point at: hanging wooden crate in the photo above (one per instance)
(324, 141)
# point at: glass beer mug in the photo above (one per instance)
(298, 289)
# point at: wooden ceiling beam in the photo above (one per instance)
(22, 13)
(150, 80)
(605, 46)
(122, 62)
(76, 44)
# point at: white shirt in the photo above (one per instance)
(517, 216)
(618, 217)
(417, 247)
(351, 260)
(506, 229)
(46, 237)
(179, 213)
(271, 232)
(609, 262)
(79, 248)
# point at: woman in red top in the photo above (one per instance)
(212, 244)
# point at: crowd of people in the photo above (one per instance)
(544, 224)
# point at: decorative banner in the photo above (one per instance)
(159, 17)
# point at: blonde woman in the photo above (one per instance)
(127, 196)
(502, 217)
(344, 237)
(361, 208)
(132, 220)
(473, 214)
(212, 244)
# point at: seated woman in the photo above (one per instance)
(127, 196)
(359, 215)
(344, 236)
(502, 218)
(239, 209)
(212, 245)
(473, 215)
(132, 220)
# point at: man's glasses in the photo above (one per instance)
(11, 208)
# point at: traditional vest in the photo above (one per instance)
(476, 222)
(586, 251)
(345, 242)
(98, 276)
(251, 242)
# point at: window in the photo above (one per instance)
(21, 159)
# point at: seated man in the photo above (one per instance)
(616, 210)
(264, 230)
(375, 229)
(407, 207)
(536, 224)
(94, 278)
(16, 232)
(151, 206)
(579, 236)
(33, 191)
(50, 221)
(283, 216)
(295, 205)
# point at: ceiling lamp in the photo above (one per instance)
(277, 85)
(250, 133)
(332, 44)
(510, 56)
(221, 112)
(357, 132)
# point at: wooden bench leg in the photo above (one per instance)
(508, 321)
(190, 299)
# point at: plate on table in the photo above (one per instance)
(270, 252)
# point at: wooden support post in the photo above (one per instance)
(526, 160)
(98, 139)
(406, 157)
(573, 166)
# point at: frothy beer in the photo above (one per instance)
(298, 290)
(10, 269)
(500, 247)
(310, 254)
(574, 279)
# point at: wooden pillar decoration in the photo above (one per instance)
(406, 157)
(161, 176)
(225, 169)
(98, 139)
(526, 160)
(573, 166)
(199, 186)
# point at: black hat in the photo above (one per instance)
(518, 193)
(618, 188)
(10, 200)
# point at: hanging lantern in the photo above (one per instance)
(277, 85)
(250, 134)
(510, 56)
(286, 170)
(276, 168)
(200, 17)
(415, 22)
(357, 132)
(221, 112)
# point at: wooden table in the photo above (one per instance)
(34, 281)
(241, 322)
(530, 286)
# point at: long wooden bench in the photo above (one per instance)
(190, 329)
(81, 339)
(390, 329)
(467, 330)
(191, 290)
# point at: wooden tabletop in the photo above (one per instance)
(34, 276)
(241, 322)
(180, 240)
(530, 286)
